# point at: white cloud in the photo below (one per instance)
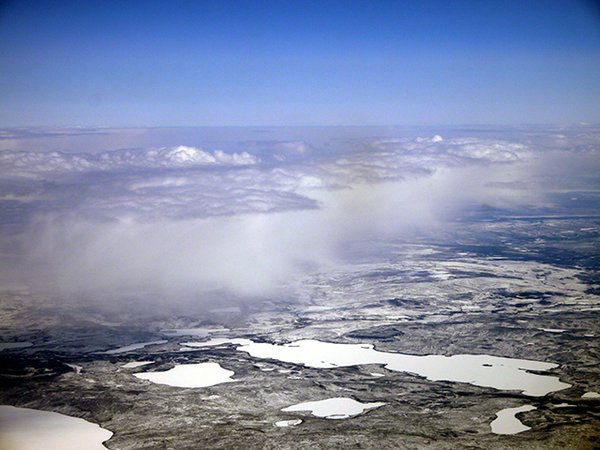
(182, 217)
(38, 164)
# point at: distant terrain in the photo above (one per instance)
(120, 261)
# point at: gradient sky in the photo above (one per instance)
(147, 63)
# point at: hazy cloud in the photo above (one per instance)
(181, 217)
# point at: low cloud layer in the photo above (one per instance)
(176, 218)
(34, 164)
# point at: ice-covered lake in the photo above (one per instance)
(479, 370)
(591, 396)
(135, 364)
(288, 423)
(334, 408)
(506, 421)
(190, 375)
(31, 429)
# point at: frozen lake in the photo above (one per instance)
(190, 375)
(77, 368)
(334, 408)
(552, 330)
(591, 395)
(134, 364)
(507, 423)
(31, 429)
(288, 423)
(480, 370)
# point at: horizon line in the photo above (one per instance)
(456, 125)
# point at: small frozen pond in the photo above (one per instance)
(288, 423)
(507, 423)
(591, 395)
(14, 345)
(30, 429)
(75, 367)
(134, 364)
(190, 375)
(479, 370)
(131, 347)
(334, 408)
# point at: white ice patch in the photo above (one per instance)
(288, 423)
(75, 367)
(480, 370)
(30, 429)
(316, 308)
(591, 395)
(132, 347)
(334, 408)
(507, 423)
(190, 375)
(134, 364)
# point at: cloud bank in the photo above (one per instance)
(36, 164)
(182, 218)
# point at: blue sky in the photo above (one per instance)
(146, 63)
